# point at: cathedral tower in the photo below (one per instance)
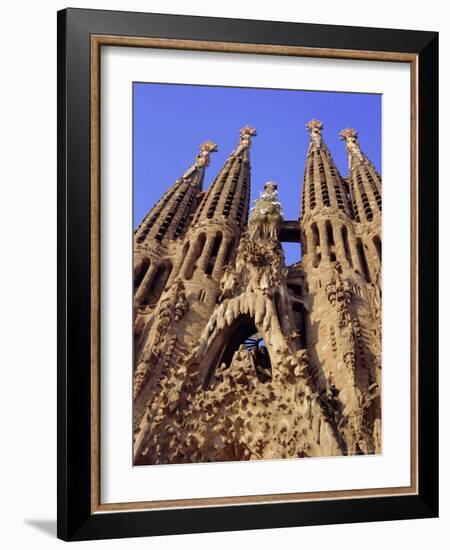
(339, 334)
(364, 184)
(245, 391)
(326, 215)
(195, 265)
(218, 222)
(239, 356)
(166, 221)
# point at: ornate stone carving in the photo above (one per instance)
(172, 308)
(315, 128)
(246, 133)
(340, 292)
(202, 161)
(278, 361)
(206, 149)
(350, 135)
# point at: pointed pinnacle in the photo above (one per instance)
(349, 134)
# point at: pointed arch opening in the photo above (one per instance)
(377, 244)
(300, 323)
(191, 259)
(229, 252)
(243, 332)
(316, 244)
(140, 272)
(363, 260)
(330, 239)
(348, 255)
(158, 284)
(213, 254)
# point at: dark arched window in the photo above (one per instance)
(363, 260)
(229, 252)
(300, 318)
(199, 245)
(213, 254)
(377, 243)
(141, 270)
(242, 332)
(348, 256)
(158, 284)
(316, 244)
(330, 239)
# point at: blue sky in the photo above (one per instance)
(171, 121)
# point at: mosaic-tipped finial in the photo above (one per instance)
(349, 134)
(314, 124)
(248, 131)
(244, 139)
(315, 127)
(206, 148)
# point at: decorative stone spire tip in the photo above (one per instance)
(314, 124)
(202, 159)
(315, 127)
(248, 131)
(244, 140)
(208, 147)
(349, 134)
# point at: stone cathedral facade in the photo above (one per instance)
(239, 356)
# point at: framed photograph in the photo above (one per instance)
(247, 274)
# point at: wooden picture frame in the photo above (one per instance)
(81, 35)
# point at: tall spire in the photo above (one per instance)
(229, 195)
(322, 187)
(221, 216)
(364, 180)
(168, 218)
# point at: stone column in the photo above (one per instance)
(310, 245)
(339, 245)
(191, 255)
(354, 252)
(324, 247)
(145, 285)
(202, 262)
(175, 270)
(138, 266)
(374, 247)
(218, 266)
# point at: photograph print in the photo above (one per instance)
(257, 274)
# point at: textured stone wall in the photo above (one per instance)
(239, 357)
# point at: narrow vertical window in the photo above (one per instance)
(316, 244)
(197, 253)
(213, 254)
(330, 239)
(158, 284)
(348, 256)
(363, 260)
(377, 243)
(229, 253)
